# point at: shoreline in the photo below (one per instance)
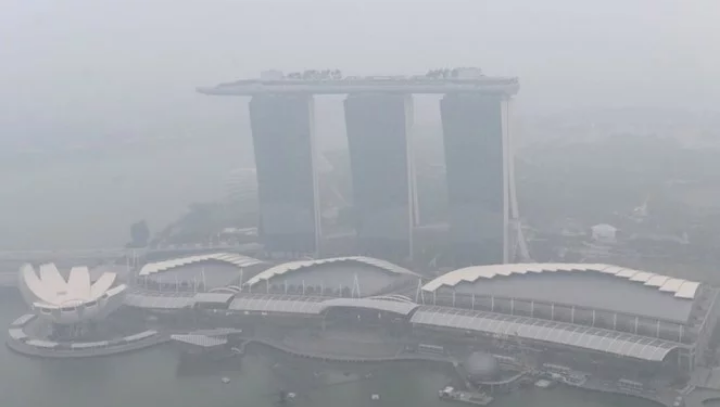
(25, 349)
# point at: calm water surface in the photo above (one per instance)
(148, 378)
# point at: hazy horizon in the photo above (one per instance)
(130, 67)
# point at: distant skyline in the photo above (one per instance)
(112, 70)
(130, 67)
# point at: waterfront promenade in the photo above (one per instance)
(337, 347)
(314, 352)
(33, 351)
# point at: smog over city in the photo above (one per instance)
(317, 203)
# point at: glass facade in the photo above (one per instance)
(598, 340)
(282, 128)
(475, 161)
(378, 127)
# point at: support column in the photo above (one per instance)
(477, 159)
(283, 132)
(516, 248)
(379, 130)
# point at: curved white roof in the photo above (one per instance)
(281, 269)
(72, 300)
(231, 258)
(678, 287)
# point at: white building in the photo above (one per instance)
(604, 233)
(70, 301)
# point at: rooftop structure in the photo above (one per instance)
(679, 288)
(71, 300)
(201, 272)
(439, 82)
(230, 258)
(356, 276)
(592, 286)
(598, 307)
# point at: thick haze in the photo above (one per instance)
(131, 66)
(115, 69)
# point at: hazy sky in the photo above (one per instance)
(130, 66)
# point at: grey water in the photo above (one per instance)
(148, 378)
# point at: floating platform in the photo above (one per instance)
(467, 397)
(200, 354)
(545, 384)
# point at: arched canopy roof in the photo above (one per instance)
(235, 259)
(591, 286)
(588, 338)
(678, 287)
(290, 267)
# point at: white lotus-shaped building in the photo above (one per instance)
(70, 301)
